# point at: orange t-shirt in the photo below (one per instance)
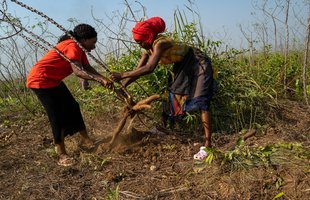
(51, 69)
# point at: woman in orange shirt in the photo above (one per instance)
(192, 81)
(46, 80)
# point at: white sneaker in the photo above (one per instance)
(201, 155)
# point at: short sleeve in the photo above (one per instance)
(73, 52)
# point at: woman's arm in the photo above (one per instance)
(143, 60)
(90, 75)
(148, 67)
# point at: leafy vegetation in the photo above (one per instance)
(244, 157)
(249, 84)
(245, 93)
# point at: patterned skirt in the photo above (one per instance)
(191, 85)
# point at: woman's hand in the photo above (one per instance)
(115, 76)
(106, 83)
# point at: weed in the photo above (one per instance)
(281, 194)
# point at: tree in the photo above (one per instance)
(286, 50)
(306, 54)
(250, 43)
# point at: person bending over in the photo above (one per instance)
(192, 78)
(45, 79)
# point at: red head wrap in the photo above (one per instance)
(147, 30)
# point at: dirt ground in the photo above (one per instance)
(148, 165)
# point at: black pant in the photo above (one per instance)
(62, 109)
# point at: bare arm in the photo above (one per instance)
(143, 60)
(146, 67)
(91, 74)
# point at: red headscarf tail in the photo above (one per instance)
(148, 29)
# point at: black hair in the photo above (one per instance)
(81, 31)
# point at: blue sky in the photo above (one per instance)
(219, 17)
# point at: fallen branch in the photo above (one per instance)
(250, 133)
(161, 193)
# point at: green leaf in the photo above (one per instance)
(240, 141)
(278, 195)
(279, 182)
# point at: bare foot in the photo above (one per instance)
(208, 143)
(87, 144)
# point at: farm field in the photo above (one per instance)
(259, 84)
(149, 165)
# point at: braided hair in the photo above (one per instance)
(81, 31)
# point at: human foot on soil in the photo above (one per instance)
(87, 144)
(65, 160)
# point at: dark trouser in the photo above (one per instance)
(62, 110)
